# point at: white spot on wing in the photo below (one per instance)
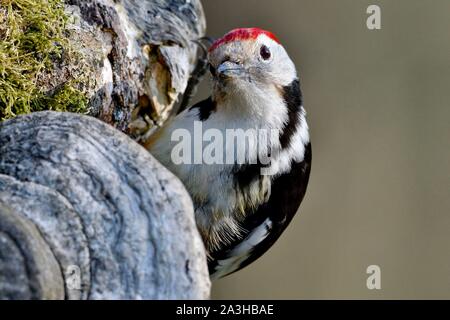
(243, 250)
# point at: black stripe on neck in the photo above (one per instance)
(292, 96)
(205, 108)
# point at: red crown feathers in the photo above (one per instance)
(242, 34)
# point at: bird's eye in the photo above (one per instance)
(212, 70)
(265, 52)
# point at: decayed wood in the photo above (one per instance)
(136, 57)
(83, 203)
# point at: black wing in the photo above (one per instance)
(267, 223)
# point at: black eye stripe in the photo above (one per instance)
(264, 51)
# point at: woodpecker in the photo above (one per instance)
(241, 211)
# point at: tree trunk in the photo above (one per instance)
(80, 201)
(85, 211)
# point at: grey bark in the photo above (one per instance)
(28, 268)
(87, 213)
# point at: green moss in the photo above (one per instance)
(66, 98)
(33, 38)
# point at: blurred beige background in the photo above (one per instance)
(378, 106)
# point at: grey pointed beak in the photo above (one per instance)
(229, 69)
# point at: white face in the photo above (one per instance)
(252, 65)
